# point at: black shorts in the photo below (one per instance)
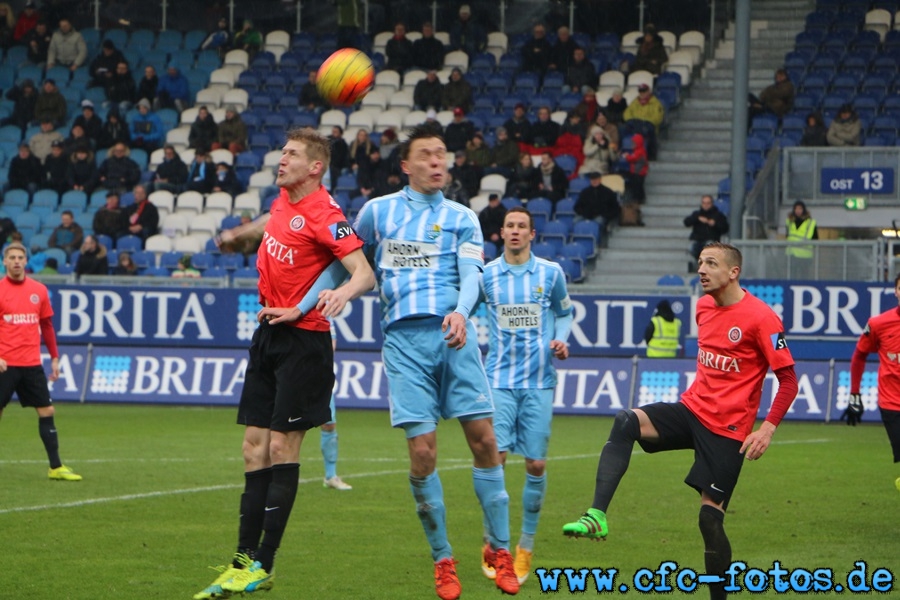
(289, 379)
(891, 420)
(30, 383)
(717, 459)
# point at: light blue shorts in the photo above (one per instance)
(428, 380)
(522, 421)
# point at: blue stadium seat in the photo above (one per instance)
(230, 262)
(155, 271)
(572, 269)
(670, 280)
(246, 273)
(565, 211)
(142, 258)
(544, 250)
(510, 202)
(356, 204)
(169, 40)
(587, 235)
(202, 261)
(574, 252)
(131, 243)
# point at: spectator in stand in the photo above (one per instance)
(50, 104)
(845, 128)
(340, 155)
(536, 52)
(491, 219)
(457, 92)
(184, 269)
(103, 67)
(110, 220)
(707, 224)
(815, 133)
(651, 53)
(638, 166)
(597, 203)
(616, 107)
(478, 153)
(432, 123)
(504, 154)
(454, 190)
(41, 142)
(26, 22)
(310, 100)
(390, 149)
(7, 26)
(201, 173)
(38, 42)
(204, 131)
(68, 235)
(51, 267)
(646, 107)
(118, 171)
(147, 128)
(115, 130)
(149, 84)
(226, 180)
(67, 47)
(518, 127)
(142, 217)
(588, 108)
(93, 259)
(524, 179)
(552, 180)
(89, 122)
(599, 152)
(81, 173)
(612, 132)
(232, 132)
(372, 174)
(121, 91)
(25, 170)
(76, 139)
(459, 131)
(173, 90)
(219, 40)
(563, 52)
(467, 34)
(360, 149)
(56, 167)
(545, 130)
(580, 74)
(428, 92)
(468, 175)
(575, 127)
(779, 97)
(171, 174)
(125, 265)
(248, 38)
(24, 98)
(428, 51)
(399, 50)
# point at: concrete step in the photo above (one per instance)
(697, 157)
(704, 104)
(660, 238)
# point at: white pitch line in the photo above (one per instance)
(234, 486)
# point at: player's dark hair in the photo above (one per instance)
(520, 209)
(317, 145)
(732, 255)
(896, 279)
(420, 132)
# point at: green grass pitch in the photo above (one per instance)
(160, 496)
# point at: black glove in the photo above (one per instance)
(854, 410)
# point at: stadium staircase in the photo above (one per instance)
(696, 152)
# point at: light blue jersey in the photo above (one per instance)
(524, 303)
(419, 242)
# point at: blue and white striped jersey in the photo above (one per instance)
(418, 250)
(523, 303)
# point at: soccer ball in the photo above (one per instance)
(345, 77)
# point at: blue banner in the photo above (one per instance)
(850, 181)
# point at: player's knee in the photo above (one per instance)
(626, 426)
(535, 468)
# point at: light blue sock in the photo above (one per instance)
(490, 488)
(429, 495)
(532, 499)
(328, 444)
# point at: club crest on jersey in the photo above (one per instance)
(434, 232)
(537, 292)
(34, 299)
(7, 318)
(735, 334)
(892, 356)
(779, 342)
(297, 223)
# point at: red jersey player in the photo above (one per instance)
(25, 317)
(287, 388)
(739, 339)
(881, 335)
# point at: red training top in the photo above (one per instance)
(25, 313)
(736, 346)
(299, 242)
(881, 335)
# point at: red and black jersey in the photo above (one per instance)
(299, 242)
(882, 335)
(22, 306)
(736, 346)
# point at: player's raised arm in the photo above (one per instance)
(254, 227)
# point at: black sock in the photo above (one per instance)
(253, 510)
(51, 441)
(279, 503)
(615, 456)
(718, 549)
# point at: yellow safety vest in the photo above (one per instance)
(664, 343)
(796, 235)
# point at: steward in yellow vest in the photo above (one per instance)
(663, 333)
(801, 227)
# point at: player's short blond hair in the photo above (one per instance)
(15, 246)
(317, 146)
